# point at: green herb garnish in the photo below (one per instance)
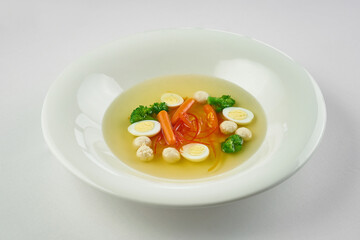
(141, 113)
(158, 107)
(222, 102)
(147, 113)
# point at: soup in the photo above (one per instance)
(205, 147)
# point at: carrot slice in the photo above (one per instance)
(197, 124)
(211, 116)
(177, 125)
(207, 135)
(185, 118)
(179, 138)
(182, 109)
(166, 127)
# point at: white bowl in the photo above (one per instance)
(76, 102)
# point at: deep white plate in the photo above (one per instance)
(77, 100)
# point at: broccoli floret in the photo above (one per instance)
(222, 102)
(232, 144)
(141, 113)
(157, 107)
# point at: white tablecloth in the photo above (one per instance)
(40, 199)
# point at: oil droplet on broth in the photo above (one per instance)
(119, 140)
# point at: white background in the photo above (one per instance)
(40, 199)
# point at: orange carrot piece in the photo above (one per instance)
(166, 127)
(211, 117)
(182, 109)
(185, 118)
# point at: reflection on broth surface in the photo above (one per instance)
(116, 123)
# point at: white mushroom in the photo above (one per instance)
(145, 153)
(142, 140)
(171, 155)
(228, 127)
(244, 132)
(201, 96)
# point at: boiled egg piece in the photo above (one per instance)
(172, 99)
(147, 128)
(195, 152)
(238, 115)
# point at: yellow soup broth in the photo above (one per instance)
(116, 122)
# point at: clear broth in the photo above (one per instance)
(119, 140)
